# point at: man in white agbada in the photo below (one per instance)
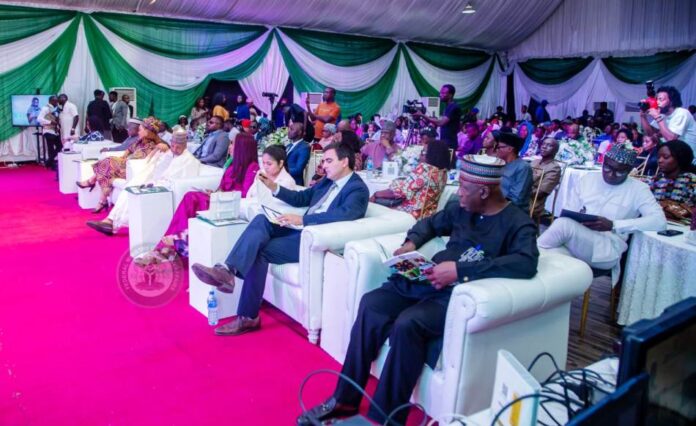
(161, 169)
(624, 205)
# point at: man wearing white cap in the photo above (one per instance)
(132, 129)
(489, 237)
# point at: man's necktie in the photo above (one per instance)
(323, 199)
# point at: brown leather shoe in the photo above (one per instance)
(217, 276)
(105, 228)
(239, 325)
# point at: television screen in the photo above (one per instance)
(26, 108)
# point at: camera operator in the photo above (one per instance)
(449, 122)
(670, 120)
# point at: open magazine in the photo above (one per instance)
(411, 265)
(273, 215)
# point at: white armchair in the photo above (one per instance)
(525, 317)
(208, 178)
(297, 288)
(92, 150)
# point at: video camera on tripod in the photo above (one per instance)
(414, 106)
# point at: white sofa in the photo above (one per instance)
(92, 150)
(525, 317)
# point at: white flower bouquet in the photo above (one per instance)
(575, 152)
(408, 158)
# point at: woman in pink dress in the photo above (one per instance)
(239, 176)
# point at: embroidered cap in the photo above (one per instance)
(482, 169)
(135, 120)
(179, 135)
(622, 155)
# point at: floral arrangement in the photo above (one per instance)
(408, 157)
(200, 132)
(279, 137)
(575, 152)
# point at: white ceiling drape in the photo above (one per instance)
(20, 52)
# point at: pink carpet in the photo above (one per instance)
(74, 350)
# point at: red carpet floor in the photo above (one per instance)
(75, 351)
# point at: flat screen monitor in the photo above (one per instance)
(665, 348)
(623, 407)
(26, 108)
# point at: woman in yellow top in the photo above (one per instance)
(219, 109)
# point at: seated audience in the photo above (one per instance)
(341, 196)
(488, 238)
(420, 191)
(622, 206)
(622, 137)
(111, 168)
(297, 152)
(535, 142)
(427, 136)
(648, 154)
(551, 176)
(327, 135)
(349, 138)
(94, 131)
(489, 146)
(161, 169)
(525, 131)
(517, 174)
(132, 130)
(183, 122)
(472, 143)
(385, 147)
(239, 176)
(674, 187)
(370, 131)
(274, 167)
(213, 150)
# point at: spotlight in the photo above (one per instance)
(469, 9)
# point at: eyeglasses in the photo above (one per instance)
(254, 127)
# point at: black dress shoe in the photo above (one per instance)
(103, 227)
(330, 409)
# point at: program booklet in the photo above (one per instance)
(578, 217)
(146, 189)
(272, 216)
(411, 265)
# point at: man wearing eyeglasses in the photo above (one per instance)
(622, 205)
(213, 150)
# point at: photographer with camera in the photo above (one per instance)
(449, 122)
(669, 120)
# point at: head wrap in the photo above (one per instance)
(622, 155)
(330, 127)
(482, 169)
(152, 124)
(179, 135)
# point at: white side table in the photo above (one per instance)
(67, 172)
(85, 198)
(149, 215)
(334, 330)
(208, 245)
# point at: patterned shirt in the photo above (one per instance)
(421, 190)
(95, 136)
(682, 189)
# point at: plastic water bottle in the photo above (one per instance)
(369, 166)
(212, 308)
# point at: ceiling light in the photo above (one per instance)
(469, 9)
(152, 1)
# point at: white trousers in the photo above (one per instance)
(582, 243)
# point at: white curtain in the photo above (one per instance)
(178, 74)
(352, 79)
(603, 28)
(271, 76)
(82, 78)
(495, 93)
(20, 147)
(20, 52)
(403, 90)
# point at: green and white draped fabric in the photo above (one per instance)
(570, 87)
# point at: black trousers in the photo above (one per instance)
(410, 315)
(53, 146)
(118, 135)
(260, 244)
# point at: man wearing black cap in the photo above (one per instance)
(517, 173)
(488, 238)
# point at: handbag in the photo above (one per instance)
(225, 205)
(389, 202)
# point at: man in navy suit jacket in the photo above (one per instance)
(341, 196)
(298, 153)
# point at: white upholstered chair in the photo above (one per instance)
(525, 317)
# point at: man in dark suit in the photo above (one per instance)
(213, 150)
(489, 237)
(298, 153)
(342, 196)
(100, 108)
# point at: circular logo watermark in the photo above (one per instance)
(150, 286)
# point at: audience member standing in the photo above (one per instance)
(48, 119)
(326, 112)
(100, 108)
(219, 108)
(119, 120)
(670, 120)
(68, 117)
(449, 121)
(199, 114)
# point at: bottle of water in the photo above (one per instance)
(212, 308)
(369, 167)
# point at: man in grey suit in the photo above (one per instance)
(119, 119)
(213, 150)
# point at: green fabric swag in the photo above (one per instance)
(18, 22)
(639, 69)
(554, 71)
(46, 72)
(340, 49)
(367, 101)
(449, 58)
(179, 39)
(153, 99)
(424, 88)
